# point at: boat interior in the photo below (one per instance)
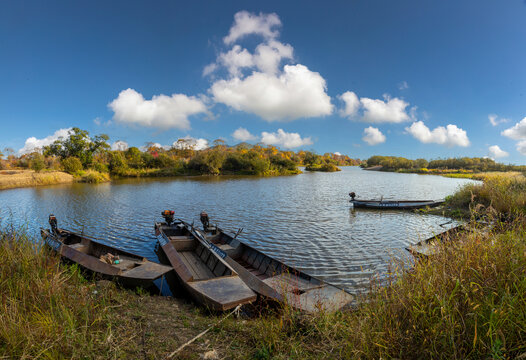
(272, 272)
(202, 263)
(96, 250)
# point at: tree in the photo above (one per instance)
(78, 144)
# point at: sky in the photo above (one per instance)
(419, 78)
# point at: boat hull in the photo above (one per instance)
(395, 205)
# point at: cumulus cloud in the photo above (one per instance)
(337, 153)
(161, 111)
(496, 152)
(189, 142)
(243, 134)
(521, 147)
(448, 136)
(495, 120)
(373, 136)
(389, 110)
(257, 82)
(284, 139)
(34, 144)
(352, 104)
(246, 23)
(516, 132)
(120, 145)
(297, 92)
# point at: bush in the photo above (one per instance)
(100, 167)
(94, 177)
(72, 165)
(37, 163)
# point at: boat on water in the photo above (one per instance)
(272, 278)
(127, 269)
(200, 266)
(425, 248)
(393, 204)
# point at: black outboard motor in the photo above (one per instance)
(53, 224)
(352, 195)
(205, 220)
(168, 216)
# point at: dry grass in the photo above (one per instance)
(48, 310)
(10, 179)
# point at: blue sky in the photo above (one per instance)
(407, 78)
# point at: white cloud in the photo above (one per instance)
(120, 145)
(373, 136)
(403, 85)
(243, 134)
(516, 132)
(34, 144)
(521, 147)
(161, 111)
(269, 56)
(246, 23)
(296, 93)
(448, 136)
(189, 142)
(97, 121)
(210, 68)
(496, 152)
(494, 119)
(236, 59)
(388, 111)
(284, 139)
(337, 153)
(352, 104)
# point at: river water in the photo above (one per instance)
(305, 220)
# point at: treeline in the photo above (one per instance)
(392, 163)
(81, 153)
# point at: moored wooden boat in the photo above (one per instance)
(128, 269)
(393, 204)
(425, 248)
(201, 267)
(272, 278)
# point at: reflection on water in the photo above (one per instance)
(304, 220)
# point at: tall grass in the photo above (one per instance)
(467, 301)
(48, 310)
(502, 195)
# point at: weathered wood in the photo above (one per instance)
(204, 274)
(132, 270)
(275, 280)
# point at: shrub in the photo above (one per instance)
(72, 165)
(37, 163)
(100, 167)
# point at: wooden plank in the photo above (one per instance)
(148, 270)
(223, 293)
(259, 258)
(201, 270)
(177, 263)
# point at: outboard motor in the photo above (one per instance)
(168, 216)
(53, 224)
(352, 195)
(205, 220)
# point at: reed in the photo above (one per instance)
(48, 310)
(24, 178)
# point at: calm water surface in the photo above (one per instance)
(305, 220)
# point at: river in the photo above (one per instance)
(305, 220)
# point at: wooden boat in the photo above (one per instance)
(201, 267)
(393, 204)
(272, 278)
(126, 268)
(425, 248)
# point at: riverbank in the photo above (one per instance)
(10, 179)
(467, 301)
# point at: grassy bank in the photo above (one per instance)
(468, 301)
(26, 178)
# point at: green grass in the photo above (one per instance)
(48, 310)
